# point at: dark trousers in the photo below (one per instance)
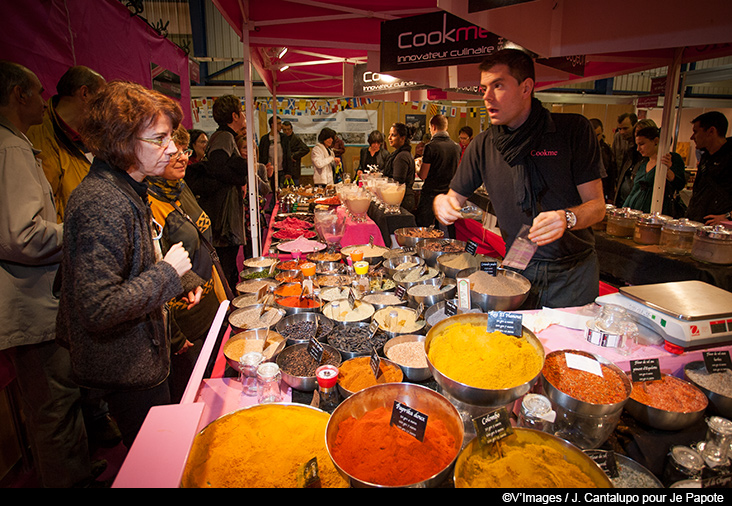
(130, 407)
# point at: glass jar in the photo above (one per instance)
(682, 464)
(613, 328)
(712, 245)
(677, 236)
(361, 280)
(716, 445)
(648, 228)
(327, 376)
(248, 364)
(268, 383)
(621, 222)
(536, 413)
(602, 225)
(585, 430)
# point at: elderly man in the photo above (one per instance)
(30, 252)
(542, 171)
(65, 159)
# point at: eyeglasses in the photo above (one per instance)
(186, 152)
(161, 143)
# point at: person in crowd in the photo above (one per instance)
(283, 163)
(439, 162)
(264, 172)
(31, 243)
(711, 197)
(641, 195)
(65, 159)
(400, 164)
(419, 148)
(465, 136)
(298, 149)
(608, 161)
(626, 156)
(323, 158)
(115, 280)
(542, 171)
(373, 156)
(198, 143)
(175, 208)
(217, 183)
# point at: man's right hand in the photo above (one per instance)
(447, 208)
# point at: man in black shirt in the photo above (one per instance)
(541, 170)
(439, 161)
(711, 198)
(297, 149)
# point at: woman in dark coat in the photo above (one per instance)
(400, 164)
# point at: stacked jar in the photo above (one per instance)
(712, 245)
(648, 228)
(677, 236)
(621, 222)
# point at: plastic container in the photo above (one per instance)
(712, 245)
(677, 236)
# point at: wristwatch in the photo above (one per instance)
(728, 216)
(571, 219)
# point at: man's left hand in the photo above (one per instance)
(548, 227)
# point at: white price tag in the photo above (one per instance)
(583, 363)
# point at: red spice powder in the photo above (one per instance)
(296, 301)
(585, 386)
(670, 394)
(373, 451)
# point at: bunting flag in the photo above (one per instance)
(423, 106)
(415, 105)
(433, 109)
(473, 112)
(453, 112)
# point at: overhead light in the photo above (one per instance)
(282, 53)
(282, 69)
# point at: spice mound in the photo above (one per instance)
(483, 282)
(353, 339)
(585, 386)
(261, 447)
(669, 394)
(717, 382)
(373, 451)
(408, 354)
(356, 374)
(522, 466)
(398, 320)
(471, 355)
(300, 363)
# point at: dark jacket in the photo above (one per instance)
(400, 167)
(298, 149)
(712, 191)
(381, 155)
(113, 289)
(286, 153)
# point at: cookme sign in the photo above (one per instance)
(366, 82)
(437, 39)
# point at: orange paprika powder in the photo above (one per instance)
(373, 451)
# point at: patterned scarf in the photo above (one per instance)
(166, 188)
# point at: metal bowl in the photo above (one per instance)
(265, 336)
(473, 395)
(247, 285)
(249, 262)
(330, 268)
(331, 280)
(345, 393)
(367, 299)
(240, 328)
(582, 407)
(290, 310)
(374, 257)
(369, 312)
(395, 252)
(411, 373)
(325, 326)
(417, 397)
(392, 264)
(303, 383)
(255, 273)
(399, 277)
(623, 461)
(378, 342)
(431, 256)
(431, 300)
(663, 419)
(332, 256)
(403, 239)
(488, 302)
(286, 275)
(244, 300)
(439, 306)
(381, 317)
(718, 404)
(452, 272)
(522, 437)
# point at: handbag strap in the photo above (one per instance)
(212, 251)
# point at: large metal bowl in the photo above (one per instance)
(325, 325)
(452, 272)
(261, 336)
(581, 407)
(399, 277)
(240, 328)
(411, 373)
(522, 437)
(626, 462)
(255, 273)
(368, 297)
(372, 258)
(473, 395)
(369, 312)
(290, 310)
(392, 264)
(287, 275)
(303, 383)
(330, 268)
(430, 256)
(663, 419)
(488, 302)
(417, 397)
(251, 262)
(325, 256)
(382, 317)
(431, 300)
(438, 307)
(378, 342)
(345, 393)
(403, 239)
(718, 404)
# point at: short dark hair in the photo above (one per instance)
(11, 75)
(713, 119)
(271, 118)
(520, 63)
(224, 107)
(466, 129)
(325, 134)
(195, 134)
(596, 123)
(76, 77)
(630, 115)
(287, 123)
(400, 129)
(439, 121)
(375, 136)
(647, 131)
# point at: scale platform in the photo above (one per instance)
(689, 314)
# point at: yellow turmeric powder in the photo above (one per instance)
(524, 466)
(469, 354)
(261, 447)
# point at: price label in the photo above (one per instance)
(463, 293)
(409, 420)
(351, 298)
(420, 310)
(375, 363)
(308, 475)
(315, 349)
(582, 363)
(508, 323)
(373, 328)
(489, 267)
(400, 292)
(408, 249)
(606, 461)
(493, 426)
(717, 361)
(451, 308)
(647, 369)
(471, 247)
(261, 293)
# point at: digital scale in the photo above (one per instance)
(688, 314)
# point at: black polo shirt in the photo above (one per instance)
(443, 155)
(712, 190)
(567, 156)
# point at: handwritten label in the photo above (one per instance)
(717, 361)
(647, 369)
(508, 323)
(489, 267)
(606, 461)
(471, 247)
(409, 420)
(400, 292)
(308, 475)
(493, 426)
(582, 363)
(315, 349)
(375, 363)
(373, 328)
(451, 308)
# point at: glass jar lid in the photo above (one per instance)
(682, 225)
(720, 425)
(716, 233)
(653, 218)
(686, 458)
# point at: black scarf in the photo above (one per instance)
(165, 188)
(515, 146)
